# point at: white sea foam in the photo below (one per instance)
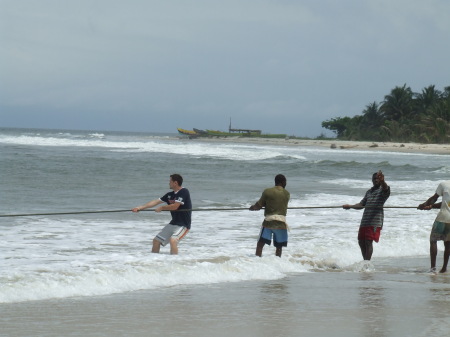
(225, 151)
(56, 257)
(72, 259)
(78, 279)
(402, 188)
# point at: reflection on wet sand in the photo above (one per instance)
(276, 303)
(372, 314)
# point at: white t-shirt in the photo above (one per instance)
(443, 190)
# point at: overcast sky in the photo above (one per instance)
(280, 66)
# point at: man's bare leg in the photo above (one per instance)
(362, 246)
(369, 249)
(173, 246)
(259, 248)
(366, 249)
(156, 246)
(446, 256)
(279, 251)
(433, 254)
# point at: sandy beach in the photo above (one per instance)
(398, 298)
(340, 144)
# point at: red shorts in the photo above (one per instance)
(368, 233)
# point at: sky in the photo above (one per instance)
(154, 66)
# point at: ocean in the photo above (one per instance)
(89, 253)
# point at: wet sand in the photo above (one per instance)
(398, 298)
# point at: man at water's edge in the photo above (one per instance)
(441, 225)
(179, 204)
(373, 216)
(275, 201)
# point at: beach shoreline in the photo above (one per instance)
(336, 144)
(374, 303)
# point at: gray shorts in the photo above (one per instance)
(171, 231)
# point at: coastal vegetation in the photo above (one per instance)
(403, 116)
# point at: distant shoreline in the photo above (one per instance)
(338, 145)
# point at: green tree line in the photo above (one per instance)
(403, 116)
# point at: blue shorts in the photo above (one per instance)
(280, 236)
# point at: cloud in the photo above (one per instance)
(281, 65)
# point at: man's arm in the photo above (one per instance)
(355, 206)
(260, 203)
(147, 205)
(383, 183)
(171, 207)
(430, 203)
(255, 207)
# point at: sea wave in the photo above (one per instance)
(139, 274)
(159, 145)
(442, 170)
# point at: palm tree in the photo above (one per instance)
(398, 104)
(446, 93)
(371, 116)
(428, 98)
(402, 116)
(438, 121)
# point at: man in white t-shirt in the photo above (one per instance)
(441, 226)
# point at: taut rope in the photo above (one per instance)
(181, 210)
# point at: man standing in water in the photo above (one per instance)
(275, 201)
(373, 216)
(179, 204)
(441, 226)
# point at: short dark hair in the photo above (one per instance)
(280, 180)
(178, 178)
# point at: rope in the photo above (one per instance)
(182, 210)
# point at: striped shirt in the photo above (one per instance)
(373, 202)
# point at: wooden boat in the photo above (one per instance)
(218, 133)
(200, 132)
(187, 132)
(250, 133)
